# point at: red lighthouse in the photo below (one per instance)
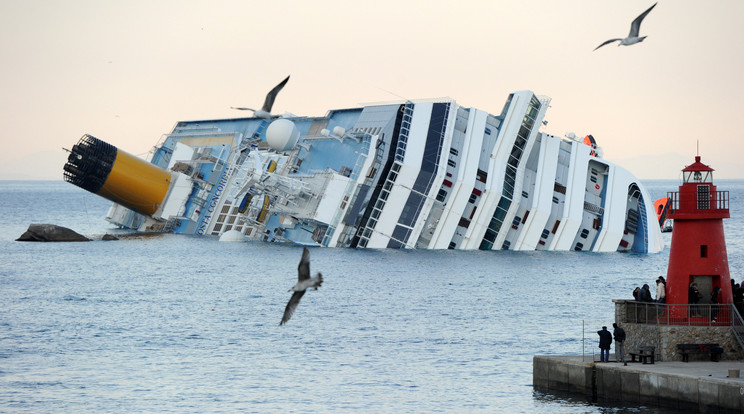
(698, 251)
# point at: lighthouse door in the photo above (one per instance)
(705, 285)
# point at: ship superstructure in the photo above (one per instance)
(427, 174)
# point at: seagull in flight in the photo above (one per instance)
(265, 111)
(633, 37)
(304, 282)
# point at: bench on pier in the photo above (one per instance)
(645, 354)
(714, 350)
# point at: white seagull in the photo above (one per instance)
(265, 111)
(633, 37)
(304, 282)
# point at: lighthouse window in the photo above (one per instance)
(703, 197)
(703, 250)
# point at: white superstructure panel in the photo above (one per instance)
(331, 200)
(519, 179)
(439, 175)
(462, 188)
(415, 145)
(368, 162)
(573, 210)
(542, 198)
(496, 170)
(181, 152)
(613, 223)
(389, 217)
(409, 170)
(175, 200)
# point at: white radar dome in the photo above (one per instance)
(282, 135)
(232, 236)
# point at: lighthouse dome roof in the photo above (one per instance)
(697, 166)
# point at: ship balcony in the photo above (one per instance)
(698, 205)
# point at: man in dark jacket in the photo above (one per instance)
(605, 340)
(645, 294)
(619, 334)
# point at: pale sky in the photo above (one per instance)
(127, 71)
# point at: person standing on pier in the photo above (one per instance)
(714, 303)
(660, 290)
(605, 340)
(694, 297)
(645, 294)
(619, 334)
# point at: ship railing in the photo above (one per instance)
(652, 313)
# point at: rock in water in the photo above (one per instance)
(51, 233)
(109, 237)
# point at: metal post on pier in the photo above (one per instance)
(583, 339)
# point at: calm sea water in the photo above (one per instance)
(187, 324)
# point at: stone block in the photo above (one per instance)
(667, 387)
(677, 388)
(540, 371)
(688, 389)
(708, 393)
(730, 396)
(558, 373)
(631, 385)
(580, 378)
(648, 387)
(611, 385)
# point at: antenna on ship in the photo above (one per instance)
(394, 94)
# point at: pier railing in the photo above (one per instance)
(684, 315)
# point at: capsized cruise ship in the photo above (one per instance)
(424, 174)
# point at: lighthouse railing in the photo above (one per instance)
(698, 202)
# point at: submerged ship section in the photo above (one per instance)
(427, 174)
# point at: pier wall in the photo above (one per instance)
(626, 383)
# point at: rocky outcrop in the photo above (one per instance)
(51, 233)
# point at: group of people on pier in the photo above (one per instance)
(643, 294)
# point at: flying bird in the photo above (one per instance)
(304, 282)
(633, 37)
(265, 111)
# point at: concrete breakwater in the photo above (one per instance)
(699, 386)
